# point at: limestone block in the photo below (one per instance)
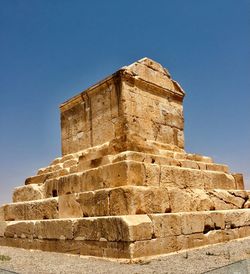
(2, 214)
(41, 171)
(239, 181)
(93, 163)
(70, 163)
(20, 229)
(244, 231)
(239, 193)
(138, 200)
(201, 201)
(112, 175)
(191, 241)
(69, 207)
(197, 157)
(48, 229)
(195, 200)
(230, 234)
(225, 200)
(165, 225)
(152, 175)
(184, 177)
(154, 66)
(42, 178)
(192, 223)
(88, 121)
(214, 220)
(35, 210)
(91, 179)
(28, 193)
(237, 218)
(73, 169)
(61, 172)
(86, 229)
(54, 229)
(247, 204)
(151, 75)
(220, 180)
(154, 246)
(218, 167)
(38, 179)
(94, 153)
(137, 175)
(120, 250)
(123, 228)
(45, 170)
(139, 227)
(46, 245)
(14, 212)
(180, 139)
(106, 176)
(67, 158)
(94, 203)
(56, 161)
(176, 195)
(202, 166)
(129, 155)
(189, 164)
(3, 226)
(51, 187)
(215, 236)
(69, 184)
(181, 156)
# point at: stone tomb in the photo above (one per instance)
(124, 186)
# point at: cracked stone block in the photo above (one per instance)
(124, 186)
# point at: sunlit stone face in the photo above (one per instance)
(140, 100)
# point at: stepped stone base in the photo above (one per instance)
(128, 237)
(125, 187)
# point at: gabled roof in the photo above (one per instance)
(149, 70)
(146, 70)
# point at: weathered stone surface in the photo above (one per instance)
(35, 210)
(69, 207)
(128, 200)
(166, 225)
(94, 203)
(192, 223)
(3, 226)
(237, 218)
(20, 229)
(138, 200)
(124, 186)
(225, 200)
(54, 229)
(187, 178)
(28, 193)
(2, 215)
(239, 181)
(123, 228)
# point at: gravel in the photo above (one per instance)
(193, 261)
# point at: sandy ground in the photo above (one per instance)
(193, 261)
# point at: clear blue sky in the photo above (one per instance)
(51, 50)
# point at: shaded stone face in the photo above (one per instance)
(139, 100)
(124, 186)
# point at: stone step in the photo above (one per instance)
(129, 172)
(83, 161)
(128, 237)
(173, 159)
(126, 200)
